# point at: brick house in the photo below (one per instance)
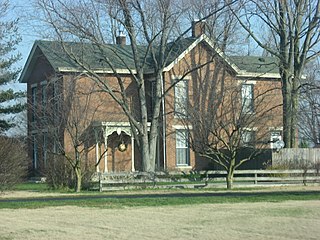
(49, 72)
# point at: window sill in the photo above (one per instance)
(184, 166)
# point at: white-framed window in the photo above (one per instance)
(182, 147)
(44, 98)
(153, 93)
(181, 98)
(34, 152)
(247, 99)
(274, 137)
(44, 147)
(248, 138)
(33, 103)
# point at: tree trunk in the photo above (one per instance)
(229, 181)
(287, 113)
(294, 119)
(230, 173)
(146, 163)
(78, 175)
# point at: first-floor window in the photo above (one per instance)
(34, 152)
(182, 147)
(44, 147)
(248, 138)
(275, 137)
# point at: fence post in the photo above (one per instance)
(256, 178)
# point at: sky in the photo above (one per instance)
(22, 9)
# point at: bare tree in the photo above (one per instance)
(147, 22)
(293, 27)
(66, 115)
(230, 119)
(309, 111)
(222, 26)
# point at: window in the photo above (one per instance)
(181, 98)
(152, 98)
(33, 103)
(44, 102)
(34, 152)
(248, 138)
(182, 147)
(44, 147)
(247, 98)
(275, 136)
(44, 97)
(55, 101)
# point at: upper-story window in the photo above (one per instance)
(247, 98)
(152, 98)
(33, 102)
(44, 99)
(55, 100)
(44, 96)
(181, 98)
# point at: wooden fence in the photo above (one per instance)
(117, 181)
(296, 157)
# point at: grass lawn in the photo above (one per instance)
(148, 198)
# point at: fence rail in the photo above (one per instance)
(296, 157)
(116, 181)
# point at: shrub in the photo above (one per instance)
(58, 172)
(13, 162)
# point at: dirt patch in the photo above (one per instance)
(285, 220)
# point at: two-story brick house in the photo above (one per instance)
(49, 72)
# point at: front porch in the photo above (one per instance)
(114, 147)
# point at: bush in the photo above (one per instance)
(58, 172)
(60, 175)
(13, 162)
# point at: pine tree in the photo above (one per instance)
(9, 38)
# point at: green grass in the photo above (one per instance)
(39, 187)
(174, 198)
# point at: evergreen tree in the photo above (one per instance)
(9, 38)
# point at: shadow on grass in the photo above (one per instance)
(241, 195)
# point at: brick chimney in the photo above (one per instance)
(121, 39)
(198, 28)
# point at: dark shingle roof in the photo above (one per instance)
(121, 57)
(256, 64)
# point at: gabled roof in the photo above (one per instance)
(122, 58)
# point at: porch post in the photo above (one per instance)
(105, 134)
(96, 133)
(132, 153)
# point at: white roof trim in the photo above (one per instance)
(220, 53)
(240, 73)
(119, 71)
(204, 38)
(258, 75)
(183, 54)
(28, 62)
